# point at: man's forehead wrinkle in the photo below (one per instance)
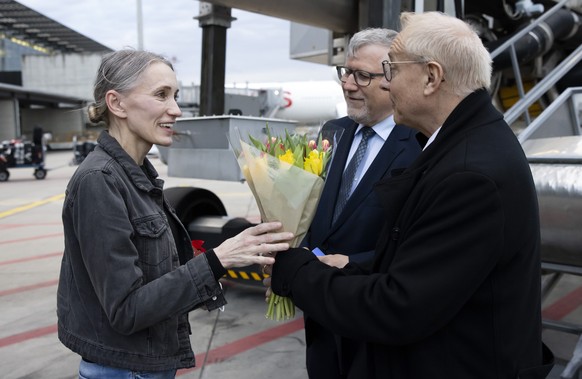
(396, 47)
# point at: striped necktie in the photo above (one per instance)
(350, 172)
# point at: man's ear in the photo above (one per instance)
(436, 75)
(114, 102)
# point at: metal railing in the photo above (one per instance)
(526, 100)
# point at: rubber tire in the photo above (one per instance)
(40, 174)
(4, 175)
(191, 203)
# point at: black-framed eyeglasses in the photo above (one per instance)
(387, 67)
(362, 78)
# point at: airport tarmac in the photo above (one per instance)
(236, 343)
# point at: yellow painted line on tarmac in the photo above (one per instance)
(34, 204)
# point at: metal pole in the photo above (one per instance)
(379, 14)
(139, 26)
(214, 20)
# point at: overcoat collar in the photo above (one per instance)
(474, 111)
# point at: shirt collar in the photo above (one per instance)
(432, 138)
(383, 128)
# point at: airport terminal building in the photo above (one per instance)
(46, 75)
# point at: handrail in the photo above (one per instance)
(521, 107)
(542, 120)
(543, 86)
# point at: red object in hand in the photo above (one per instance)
(197, 246)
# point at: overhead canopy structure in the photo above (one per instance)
(26, 97)
(23, 23)
(21, 108)
(342, 16)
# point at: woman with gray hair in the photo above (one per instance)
(128, 275)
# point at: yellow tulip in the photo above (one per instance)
(287, 157)
(314, 163)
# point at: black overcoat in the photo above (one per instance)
(455, 287)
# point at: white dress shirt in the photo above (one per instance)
(432, 137)
(375, 143)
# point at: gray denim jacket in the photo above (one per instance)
(123, 297)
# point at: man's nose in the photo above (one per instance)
(349, 83)
(384, 84)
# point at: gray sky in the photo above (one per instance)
(257, 46)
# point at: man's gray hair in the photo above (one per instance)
(370, 36)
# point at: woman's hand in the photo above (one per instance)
(249, 246)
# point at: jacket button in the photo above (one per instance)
(395, 233)
(214, 298)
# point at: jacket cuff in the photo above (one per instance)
(217, 268)
(285, 269)
(206, 286)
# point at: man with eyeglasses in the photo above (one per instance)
(349, 216)
(454, 291)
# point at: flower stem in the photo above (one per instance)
(280, 308)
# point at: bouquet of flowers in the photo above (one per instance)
(286, 176)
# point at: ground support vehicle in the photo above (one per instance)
(20, 152)
(82, 146)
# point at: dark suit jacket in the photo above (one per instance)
(363, 214)
(455, 287)
(362, 217)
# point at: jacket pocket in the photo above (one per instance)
(150, 226)
(152, 240)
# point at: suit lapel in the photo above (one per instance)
(381, 165)
(322, 220)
